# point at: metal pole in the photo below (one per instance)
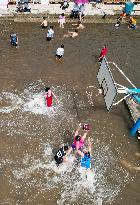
(123, 74)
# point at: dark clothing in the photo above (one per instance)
(59, 56)
(13, 39)
(59, 156)
(49, 38)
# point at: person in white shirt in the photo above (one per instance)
(60, 52)
(50, 34)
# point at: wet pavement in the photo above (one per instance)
(30, 133)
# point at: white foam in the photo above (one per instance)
(15, 102)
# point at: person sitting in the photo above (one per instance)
(132, 23)
(26, 7)
(72, 34)
(14, 39)
(50, 34)
(20, 7)
(64, 5)
(75, 11)
(44, 23)
(61, 155)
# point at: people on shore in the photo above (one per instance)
(81, 12)
(49, 98)
(14, 39)
(61, 20)
(50, 34)
(75, 11)
(44, 23)
(72, 34)
(103, 53)
(60, 52)
(65, 5)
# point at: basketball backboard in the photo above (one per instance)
(107, 84)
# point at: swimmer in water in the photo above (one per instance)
(49, 98)
(79, 140)
(72, 34)
(44, 23)
(79, 25)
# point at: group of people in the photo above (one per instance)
(81, 153)
(63, 154)
(132, 24)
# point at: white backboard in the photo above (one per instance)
(107, 84)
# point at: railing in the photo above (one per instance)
(119, 1)
(30, 1)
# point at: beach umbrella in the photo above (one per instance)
(81, 1)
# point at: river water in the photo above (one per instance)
(30, 133)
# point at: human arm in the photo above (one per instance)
(77, 130)
(55, 97)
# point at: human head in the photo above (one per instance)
(44, 18)
(77, 138)
(62, 45)
(76, 30)
(87, 154)
(47, 89)
(66, 147)
(51, 27)
(62, 14)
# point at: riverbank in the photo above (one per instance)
(93, 13)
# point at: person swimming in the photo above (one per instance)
(72, 34)
(61, 155)
(79, 25)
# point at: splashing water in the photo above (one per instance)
(36, 170)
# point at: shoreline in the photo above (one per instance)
(54, 18)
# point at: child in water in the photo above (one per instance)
(44, 23)
(72, 34)
(103, 53)
(60, 52)
(14, 39)
(79, 140)
(49, 98)
(61, 20)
